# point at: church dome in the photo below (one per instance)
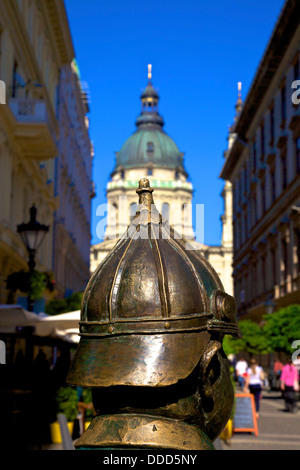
(149, 144)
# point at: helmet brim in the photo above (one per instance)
(138, 360)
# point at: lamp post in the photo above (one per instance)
(32, 234)
(269, 306)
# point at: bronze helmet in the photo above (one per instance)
(150, 308)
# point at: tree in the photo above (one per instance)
(33, 282)
(253, 340)
(282, 328)
(70, 304)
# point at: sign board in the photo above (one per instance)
(245, 415)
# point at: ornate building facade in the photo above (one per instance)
(35, 51)
(150, 152)
(263, 165)
(73, 185)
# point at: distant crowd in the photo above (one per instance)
(252, 379)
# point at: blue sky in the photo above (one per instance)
(199, 51)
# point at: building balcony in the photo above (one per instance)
(33, 130)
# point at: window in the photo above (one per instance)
(273, 184)
(14, 81)
(263, 196)
(297, 155)
(262, 141)
(254, 156)
(284, 171)
(284, 248)
(149, 172)
(254, 209)
(240, 187)
(245, 179)
(263, 273)
(254, 279)
(272, 133)
(297, 245)
(165, 211)
(273, 265)
(296, 69)
(283, 103)
(234, 201)
(246, 225)
(150, 147)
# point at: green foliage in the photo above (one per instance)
(253, 340)
(229, 345)
(71, 304)
(67, 402)
(87, 398)
(33, 282)
(281, 328)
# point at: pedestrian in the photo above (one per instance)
(278, 365)
(289, 385)
(240, 370)
(278, 368)
(254, 382)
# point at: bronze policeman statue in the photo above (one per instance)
(154, 315)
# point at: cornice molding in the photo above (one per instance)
(60, 30)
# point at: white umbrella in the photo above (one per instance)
(64, 326)
(13, 316)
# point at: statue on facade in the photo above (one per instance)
(154, 315)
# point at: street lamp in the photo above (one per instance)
(269, 306)
(32, 235)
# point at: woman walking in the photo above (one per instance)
(289, 385)
(254, 382)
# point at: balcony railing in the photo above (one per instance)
(28, 110)
(34, 130)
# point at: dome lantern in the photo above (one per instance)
(149, 143)
(149, 99)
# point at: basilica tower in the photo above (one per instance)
(150, 152)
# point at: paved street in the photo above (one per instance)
(278, 430)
